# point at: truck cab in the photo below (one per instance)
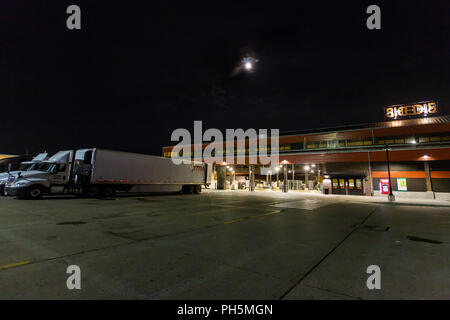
(24, 166)
(47, 177)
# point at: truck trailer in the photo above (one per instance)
(98, 172)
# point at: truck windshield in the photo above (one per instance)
(45, 166)
(25, 166)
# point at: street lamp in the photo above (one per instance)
(391, 196)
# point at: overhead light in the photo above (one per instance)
(426, 156)
(306, 168)
(312, 171)
(289, 171)
(313, 165)
(277, 168)
(413, 142)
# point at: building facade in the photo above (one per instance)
(354, 159)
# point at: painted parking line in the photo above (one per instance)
(14, 265)
(251, 217)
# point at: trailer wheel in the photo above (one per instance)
(108, 191)
(198, 189)
(34, 192)
(92, 192)
(188, 189)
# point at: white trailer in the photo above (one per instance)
(98, 172)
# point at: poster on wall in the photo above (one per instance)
(401, 184)
(335, 183)
(358, 184)
(351, 183)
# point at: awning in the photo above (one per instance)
(6, 156)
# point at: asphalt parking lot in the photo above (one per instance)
(222, 245)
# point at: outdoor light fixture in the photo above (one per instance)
(413, 142)
(312, 171)
(313, 165)
(277, 168)
(306, 168)
(289, 171)
(426, 156)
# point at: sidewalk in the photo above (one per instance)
(294, 194)
(373, 199)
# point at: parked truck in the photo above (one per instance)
(24, 166)
(101, 173)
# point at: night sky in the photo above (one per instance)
(140, 69)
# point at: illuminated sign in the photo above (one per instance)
(409, 111)
(401, 184)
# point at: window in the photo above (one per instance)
(62, 167)
(323, 144)
(399, 140)
(313, 145)
(88, 157)
(296, 146)
(354, 143)
(435, 139)
(332, 143)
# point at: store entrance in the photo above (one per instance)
(348, 185)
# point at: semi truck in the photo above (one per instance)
(95, 172)
(24, 166)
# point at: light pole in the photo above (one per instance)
(306, 177)
(391, 196)
(277, 169)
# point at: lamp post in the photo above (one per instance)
(391, 196)
(277, 169)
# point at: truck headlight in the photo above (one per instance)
(20, 183)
